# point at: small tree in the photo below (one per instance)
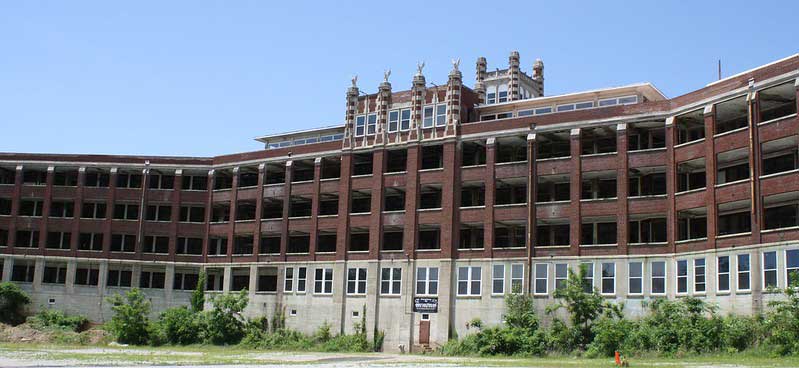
(583, 307)
(130, 322)
(782, 321)
(12, 302)
(179, 325)
(198, 295)
(224, 322)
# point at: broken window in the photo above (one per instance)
(777, 101)
(731, 115)
(326, 241)
(159, 213)
(87, 275)
(31, 207)
(270, 244)
(396, 160)
(275, 174)
(61, 240)
(223, 179)
(155, 244)
(65, 177)
(553, 144)
(54, 273)
(272, 209)
(473, 153)
(392, 238)
(647, 230)
(692, 224)
(220, 212)
(159, 180)
(647, 181)
(690, 126)
(129, 179)
(248, 177)
(299, 242)
(243, 245)
(430, 197)
(7, 176)
(429, 237)
(362, 163)
(123, 243)
(97, 178)
(781, 210)
(302, 171)
(192, 214)
(733, 166)
(552, 233)
(62, 209)
(599, 185)
(597, 140)
(780, 155)
(215, 279)
(300, 207)
(691, 175)
(34, 177)
(734, 218)
(240, 279)
(331, 168)
(511, 191)
(267, 279)
(23, 271)
(511, 149)
(473, 194)
(328, 204)
(646, 135)
(432, 157)
(359, 240)
(471, 236)
(598, 231)
(185, 279)
(194, 181)
(510, 235)
(394, 199)
(361, 202)
(553, 188)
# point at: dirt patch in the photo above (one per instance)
(24, 333)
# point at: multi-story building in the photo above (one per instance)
(426, 206)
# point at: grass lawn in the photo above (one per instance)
(16, 354)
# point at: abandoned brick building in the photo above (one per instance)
(429, 204)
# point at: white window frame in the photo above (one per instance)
(490, 100)
(590, 274)
(603, 278)
(358, 282)
(371, 123)
(679, 276)
(561, 267)
(538, 277)
(470, 279)
(767, 270)
(697, 274)
(640, 277)
(439, 117)
(323, 283)
(393, 120)
(517, 277)
(427, 281)
(652, 278)
(288, 280)
(497, 270)
(788, 268)
(740, 272)
(393, 279)
(302, 280)
(360, 125)
(403, 127)
(723, 274)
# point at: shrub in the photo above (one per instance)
(198, 295)
(130, 323)
(782, 321)
(12, 302)
(322, 333)
(179, 326)
(56, 319)
(224, 324)
(583, 308)
(609, 336)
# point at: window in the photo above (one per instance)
(156, 244)
(119, 278)
(371, 124)
(356, 281)
(791, 267)
(194, 182)
(469, 280)
(609, 278)
(159, 213)
(658, 277)
(323, 281)
(288, 280)
(302, 273)
(427, 281)
(90, 241)
(503, 96)
(123, 243)
(498, 283)
(62, 209)
(54, 275)
(126, 211)
(699, 276)
(491, 98)
(635, 279)
(34, 177)
(393, 121)
(390, 280)
(152, 280)
(58, 240)
(128, 180)
(87, 276)
(360, 125)
(434, 115)
(31, 208)
(724, 274)
(769, 270)
(193, 246)
(516, 277)
(682, 276)
(588, 277)
(541, 278)
(744, 273)
(192, 214)
(27, 239)
(93, 211)
(405, 119)
(217, 246)
(185, 281)
(97, 179)
(561, 275)
(65, 178)
(158, 181)
(23, 272)
(5, 206)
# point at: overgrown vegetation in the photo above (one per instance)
(597, 328)
(12, 303)
(56, 319)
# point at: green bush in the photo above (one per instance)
(180, 326)
(198, 295)
(56, 319)
(130, 323)
(12, 303)
(782, 321)
(583, 308)
(224, 324)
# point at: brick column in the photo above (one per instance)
(208, 213)
(317, 177)
(490, 197)
(73, 241)
(143, 202)
(343, 224)
(48, 198)
(409, 238)
(622, 188)
(532, 190)
(576, 189)
(756, 208)
(284, 230)
(449, 209)
(173, 225)
(259, 208)
(109, 211)
(231, 230)
(671, 185)
(710, 174)
(376, 219)
(15, 203)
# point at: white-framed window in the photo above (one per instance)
(498, 276)
(791, 267)
(609, 278)
(561, 275)
(393, 121)
(288, 280)
(658, 286)
(156, 244)
(516, 278)
(744, 279)
(588, 276)
(700, 284)
(356, 281)
(391, 281)
(635, 278)
(503, 96)
(769, 269)
(360, 125)
(491, 98)
(723, 271)
(427, 281)
(434, 115)
(399, 120)
(371, 123)
(541, 279)
(682, 276)
(323, 281)
(405, 120)
(469, 280)
(302, 276)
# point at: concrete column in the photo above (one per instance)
(72, 265)
(490, 197)
(376, 219)
(710, 174)
(372, 299)
(48, 194)
(253, 287)
(169, 282)
(343, 224)
(409, 236)
(532, 190)
(135, 275)
(227, 279)
(755, 171)
(339, 293)
(622, 188)
(102, 276)
(8, 266)
(671, 185)
(576, 190)
(38, 273)
(446, 293)
(756, 280)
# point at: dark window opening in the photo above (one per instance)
(272, 209)
(123, 243)
(690, 127)
(472, 237)
(549, 191)
(781, 216)
(510, 192)
(220, 212)
(473, 195)
(7, 177)
(129, 180)
(299, 243)
(731, 115)
(248, 177)
(331, 168)
(430, 197)
(396, 161)
(510, 235)
(328, 204)
(598, 233)
(243, 245)
(599, 188)
(194, 182)
(62, 209)
(394, 200)
(302, 171)
(552, 235)
(159, 213)
(300, 207)
(432, 157)
(429, 238)
(65, 178)
(275, 174)
(733, 173)
(326, 242)
(780, 163)
(270, 244)
(511, 150)
(161, 181)
(553, 145)
(27, 239)
(121, 211)
(647, 231)
(646, 136)
(267, 279)
(646, 184)
(362, 164)
(34, 177)
(361, 202)
(217, 246)
(596, 141)
(223, 180)
(473, 153)
(392, 239)
(241, 280)
(359, 241)
(5, 206)
(734, 223)
(156, 244)
(691, 175)
(777, 102)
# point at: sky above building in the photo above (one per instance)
(202, 78)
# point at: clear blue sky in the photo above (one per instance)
(203, 78)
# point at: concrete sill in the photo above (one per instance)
(428, 209)
(730, 132)
(357, 252)
(428, 250)
(779, 174)
(510, 163)
(131, 220)
(599, 199)
(431, 170)
(302, 182)
(361, 176)
(393, 212)
(598, 154)
(248, 187)
(297, 218)
(691, 191)
(552, 246)
(329, 179)
(251, 220)
(468, 296)
(117, 252)
(395, 173)
(223, 190)
(274, 185)
(218, 222)
(781, 118)
(323, 253)
(552, 203)
(731, 183)
(321, 216)
(217, 255)
(553, 159)
(360, 214)
(509, 248)
(650, 244)
(158, 221)
(689, 143)
(266, 293)
(391, 251)
(648, 150)
(191, 222)
(651, 196)
(690, 240)
(297, 254)
(597, 245)
(191, 190)
(791, 228)
(390, 296)
(472, 207)
(510, 205)
(736, 235)
(471, 249)
(473, 166)
(356, 295)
